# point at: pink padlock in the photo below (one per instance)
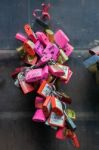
(61, 38)
(44, 59)
(20, 37)
(45, 72)
(60, 135)
(39, 102)
(39, 116)
(42, 37)
(39, 48)
(53, 50)
(56, 70)
(33, 75)
(68, 49)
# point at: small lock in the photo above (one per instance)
(29, 47)
(39, 48)
(61, 38)
(53, 50)
(20, 37)
(45, 89)
(60, 135)
(33, 75)
(42, 23)
(91, 61)
(68, 49)
(45, 72)
(31, 60)
(69, 76)
(57, 106)
(65, 98)
(75, 140)
(63, 55)
(55, 120)
(56, 70)
(39, 102)
(50, 35)
(30, 33)
(39, 116)
(66, 72)
(26, 88)
(47, 106)
(44, 60)
(71, 114)
(70, 123)
(43, 38)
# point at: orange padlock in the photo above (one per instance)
(29, 47)
(56, 106)
(47, 106)
(30, 33)
(45, 89)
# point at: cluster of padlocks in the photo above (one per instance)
(44, 54)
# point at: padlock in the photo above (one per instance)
(50, 35)
(30, 33)
(16, 72)
(63, 55)
(21, 37)
(42, 23)
(39, 48)
(31, 60)
(94, 50)
(70, 123)
(45, 89)
(69, 76)
(50, 78)
(91, 61)
(71, 114)
(53, 50)
(44, 60)
(39, 102)
(42, 38)
(61, 38)
(55, 120)
(60, 60)
(75, 140)
(66, 72)
(68, 49)
(26, 88)
(33, 75)
(56, 70)
(45, 72)
(60, 135)
(39, 116)
(21, 52)
(56, 106)
(29, 47)
(65, 98)
(47, 106)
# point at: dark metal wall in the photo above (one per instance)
(79, 19)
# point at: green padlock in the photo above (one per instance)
(71, 114)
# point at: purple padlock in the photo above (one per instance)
(61, 38)
(45, 72)
(44, 59)
(53, 50)
(39, 116)
(42, 37)
(39, 48)
(33, 75)
(68, 49)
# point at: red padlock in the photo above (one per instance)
(30, 33)
(29, 47)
